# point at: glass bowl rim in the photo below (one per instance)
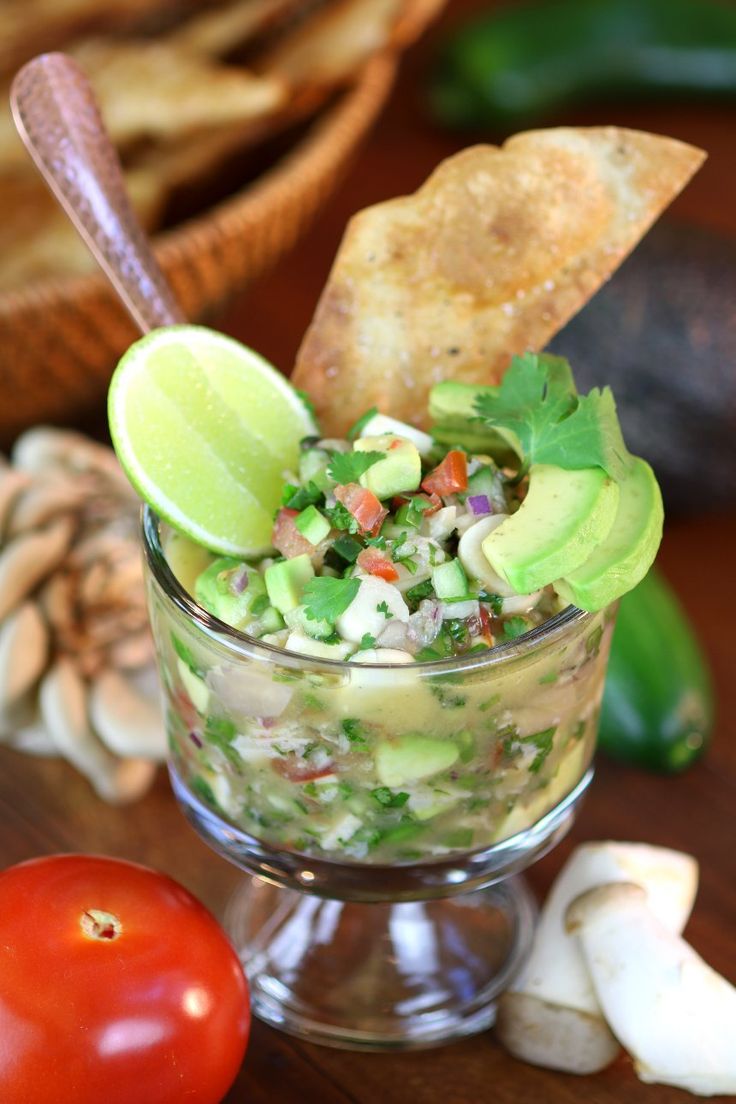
(542, 635)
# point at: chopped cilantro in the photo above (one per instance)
(311, 701)
(348, 548)
(543, 742)
(204, 790)
(537, 409)
(185, 655)
(341, 518)
(298, 498)
(326, 598)
(551, 676)
(446, 698)
(345, 790)
(347, 467)
(363, 420)
(260, 605)
(495, 601)
(354, 731)
(366, 641)
(384, 796)
(412, 512)
(382, 607)
(421, 590)
(221, 732)
(515, 626)
(376, 542)
(489, 702)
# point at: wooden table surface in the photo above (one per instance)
(45, 807)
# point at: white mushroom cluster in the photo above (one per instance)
(76, 654)
(609, 967)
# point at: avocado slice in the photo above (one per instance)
(409, 758)
(564, 515)
(627, 553)
(455, 421)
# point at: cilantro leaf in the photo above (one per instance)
(382, 607)
(384, 796)
(538, 411)
(366, 641)
(326, 598)
(590, 437)
(347, 467)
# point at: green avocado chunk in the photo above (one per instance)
(410, 758)
(228, 589)
(286, 580)
(399, 471)
(621, 560)
(564, 515)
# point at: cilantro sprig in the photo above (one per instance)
(347, 467)
(326, 598)
(536, 408)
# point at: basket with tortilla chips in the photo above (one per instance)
(234, 120)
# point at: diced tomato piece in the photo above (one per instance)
(374, 562)
(297, 771)
(363, 505)
(448, 477)
(485, 626)
(286, 538)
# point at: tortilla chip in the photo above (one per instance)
(29, 27)
(492, 256)
(326, 49)
(217, 32)
(39, 240)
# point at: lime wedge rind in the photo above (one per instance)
(178, 455)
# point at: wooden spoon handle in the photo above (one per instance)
(59, 121)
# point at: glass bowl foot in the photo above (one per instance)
(379, 976)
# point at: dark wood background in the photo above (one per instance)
(46, 807)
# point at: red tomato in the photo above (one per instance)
(116, 985)
(450, 476)
(363, 505)
(375, 563)
(286, 538)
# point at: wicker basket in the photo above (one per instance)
(60, 338)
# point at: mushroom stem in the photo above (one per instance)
(674, 1014)
(551, 1016)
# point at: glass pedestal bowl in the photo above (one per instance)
(381, 812)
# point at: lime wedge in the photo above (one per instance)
(204, 429)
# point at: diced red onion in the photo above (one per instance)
(480, 504)
(238, 580)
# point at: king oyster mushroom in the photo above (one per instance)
(75, 646)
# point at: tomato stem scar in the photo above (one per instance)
(100, 925)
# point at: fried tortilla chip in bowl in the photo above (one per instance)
(234, 119)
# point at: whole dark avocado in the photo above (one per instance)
(662, 333)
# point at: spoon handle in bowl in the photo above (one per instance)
(59, 121)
